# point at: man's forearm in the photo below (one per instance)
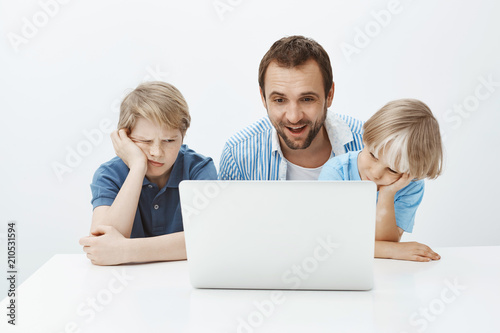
(159, 248)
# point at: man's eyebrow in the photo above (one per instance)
(310, 93)
(307, 93)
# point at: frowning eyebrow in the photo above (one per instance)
(138, 137)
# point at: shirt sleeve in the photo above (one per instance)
(105, 186)
(406, 203)
(205, 170)
(331, 171)
(228, 170)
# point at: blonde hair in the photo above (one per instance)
(406, 133)
(158, 102)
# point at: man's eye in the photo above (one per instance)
(308, 99)
(279, 100)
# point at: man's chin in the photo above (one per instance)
(296, 144)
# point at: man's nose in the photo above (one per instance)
(294, 113)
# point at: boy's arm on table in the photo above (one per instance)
(121, 213)
(110, 247)
(404, 251)
(388, 234)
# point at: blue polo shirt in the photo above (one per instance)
(158, 212)
(406, 200)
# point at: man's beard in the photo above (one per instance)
(315, 128)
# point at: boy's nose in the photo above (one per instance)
(155, 150)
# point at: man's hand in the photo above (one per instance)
(106, 246)
(128, 151)
(391, 189)
(405, 251)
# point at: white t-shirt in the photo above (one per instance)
(295, 172)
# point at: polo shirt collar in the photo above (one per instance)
(339, 134)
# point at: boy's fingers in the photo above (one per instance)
(114, 136)
(86, 241)
(123, 134)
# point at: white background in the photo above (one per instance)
(68, 76)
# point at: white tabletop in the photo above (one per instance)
(459, 293)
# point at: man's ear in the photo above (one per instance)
(329, 97)
(263, 98)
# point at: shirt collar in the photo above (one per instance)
(339, 134)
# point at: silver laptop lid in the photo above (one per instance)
(279, 235)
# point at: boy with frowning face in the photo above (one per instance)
(137, 216)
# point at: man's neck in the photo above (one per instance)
(314, 156)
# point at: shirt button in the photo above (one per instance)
(156, 206)
(150, 186)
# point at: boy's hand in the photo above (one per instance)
(106, 246)
(405, 251)
(128, 151)
(402, 182)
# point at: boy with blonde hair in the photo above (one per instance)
(402, 147)
(135, 196)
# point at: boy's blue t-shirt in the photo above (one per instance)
(406, 200)
(158, 212)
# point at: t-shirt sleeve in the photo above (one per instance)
(406, 203)
(205, 170)
(332, 170)
(105, 186)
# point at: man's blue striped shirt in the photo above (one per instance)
(254, 153)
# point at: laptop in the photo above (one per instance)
(299, 235)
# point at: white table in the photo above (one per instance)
(69, 294)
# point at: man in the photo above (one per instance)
(299, 135)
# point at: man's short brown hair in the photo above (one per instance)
(294, 51)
